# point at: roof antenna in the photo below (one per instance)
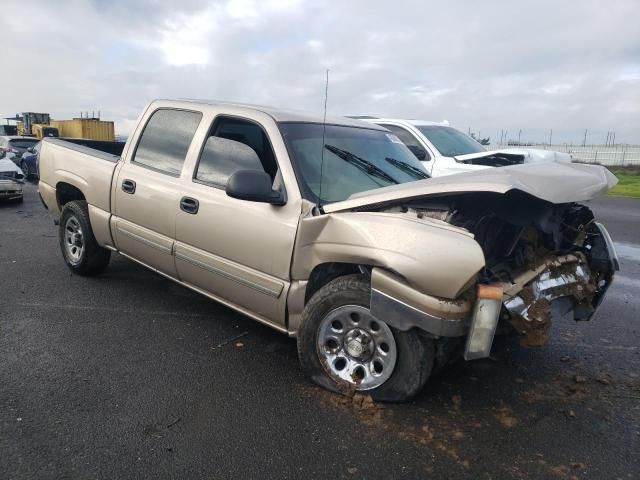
(324, 127)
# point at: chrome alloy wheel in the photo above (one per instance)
(73, 240)
(356, 347)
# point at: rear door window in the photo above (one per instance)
(409, 140)
(166, 139)
(406, 137)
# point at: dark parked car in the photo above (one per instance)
(15, 146)
(29, 161)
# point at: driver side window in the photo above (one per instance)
(234, 144)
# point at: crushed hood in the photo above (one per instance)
(553, 182)
(8, 166)
(10, 173)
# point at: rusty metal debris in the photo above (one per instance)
(561, 282)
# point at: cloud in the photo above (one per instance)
(530, 65)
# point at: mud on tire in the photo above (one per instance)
(414, 354)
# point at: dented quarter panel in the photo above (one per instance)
(433, 257)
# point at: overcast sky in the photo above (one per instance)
(491, 65)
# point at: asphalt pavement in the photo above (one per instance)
(129, 375)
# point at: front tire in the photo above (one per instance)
(343, 348)
(80, 251)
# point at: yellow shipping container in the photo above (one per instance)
(85, 128)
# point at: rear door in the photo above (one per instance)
(147, 189)
(236, 250)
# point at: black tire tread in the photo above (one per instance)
(96, 259)
(415, 353)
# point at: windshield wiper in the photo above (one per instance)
(361, 164)
(409, 169)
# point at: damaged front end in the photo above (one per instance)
(548, 259)
(575, 283)
(542, 253)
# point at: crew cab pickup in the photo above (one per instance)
(332, 232)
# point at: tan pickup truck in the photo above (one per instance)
(333, 232)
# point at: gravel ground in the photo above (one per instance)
(129, 375)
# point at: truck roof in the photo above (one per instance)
(406, 121)
(278, 114)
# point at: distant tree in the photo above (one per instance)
(485, 141)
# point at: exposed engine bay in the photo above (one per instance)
(550, 259)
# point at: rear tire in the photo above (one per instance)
(80, 251)
(340, 301)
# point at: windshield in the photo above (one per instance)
(449, 141)
(355, 160)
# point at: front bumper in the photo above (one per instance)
(403, 307)
(10, 190)
(553, 287)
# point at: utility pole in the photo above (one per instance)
(614, 139)
(550, 136)
(584, 142)
(519, 133)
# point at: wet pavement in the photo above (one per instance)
(129, 375)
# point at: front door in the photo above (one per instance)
(235, 250)
(147, 190)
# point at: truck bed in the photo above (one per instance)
(89, 163)
(112, 148)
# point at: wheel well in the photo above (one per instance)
(66, 193)
(325, 272)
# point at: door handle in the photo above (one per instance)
(129, 186)
(189, 205)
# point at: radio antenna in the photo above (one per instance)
(324, 128)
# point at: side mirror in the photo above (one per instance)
(254, 186)
(30, 149)
(419, 152)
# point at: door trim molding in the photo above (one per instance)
(144, 240)
(275, 293)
